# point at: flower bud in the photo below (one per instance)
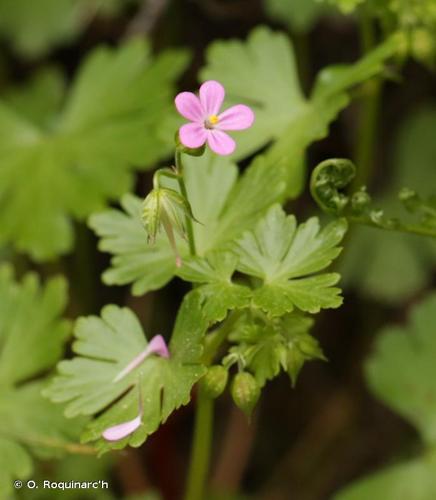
(410, 199)
(215, 381)
(166, 208)
(151, 214)
(245, 392)
(360, 201)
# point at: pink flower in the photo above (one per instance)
(208, 124)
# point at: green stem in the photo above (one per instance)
(366, 147)
(216, 338)
(163, 172)
(48, 442)
(370, 111)
(200, 457)
(183, 191)
(366, 30)
(397, 226)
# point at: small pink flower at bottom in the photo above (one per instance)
(208, 124)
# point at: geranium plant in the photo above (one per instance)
(215, 192)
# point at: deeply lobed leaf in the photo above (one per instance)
(32, 337)
(77, 157)
(286, 257)
(217, 292)
(105, 346)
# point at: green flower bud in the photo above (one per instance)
(215, 381)
(151, 214)
(360, 201)
(245, 392)
(166, 208)
(410, 199)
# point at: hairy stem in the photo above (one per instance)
(182, 185)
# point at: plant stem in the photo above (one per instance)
(200, 456)
(366, 146)
(202, 443)
(182, 185)
(48, 442)
(397, 226)
(369, 112)
(218, 337)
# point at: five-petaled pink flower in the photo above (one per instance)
(208, 124)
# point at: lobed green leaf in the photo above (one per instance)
(286, 257)
(32, 338)
(104, 346)
(77, 157)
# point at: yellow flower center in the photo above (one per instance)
(211, 121)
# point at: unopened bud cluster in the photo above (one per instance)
(166, 208)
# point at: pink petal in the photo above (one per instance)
(212, 96)
(133, 364)
(192, 135)
(237, 117)
(220, 143)
(188, 105)
(123, 430)
(157, 345)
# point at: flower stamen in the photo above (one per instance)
(211, 121)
